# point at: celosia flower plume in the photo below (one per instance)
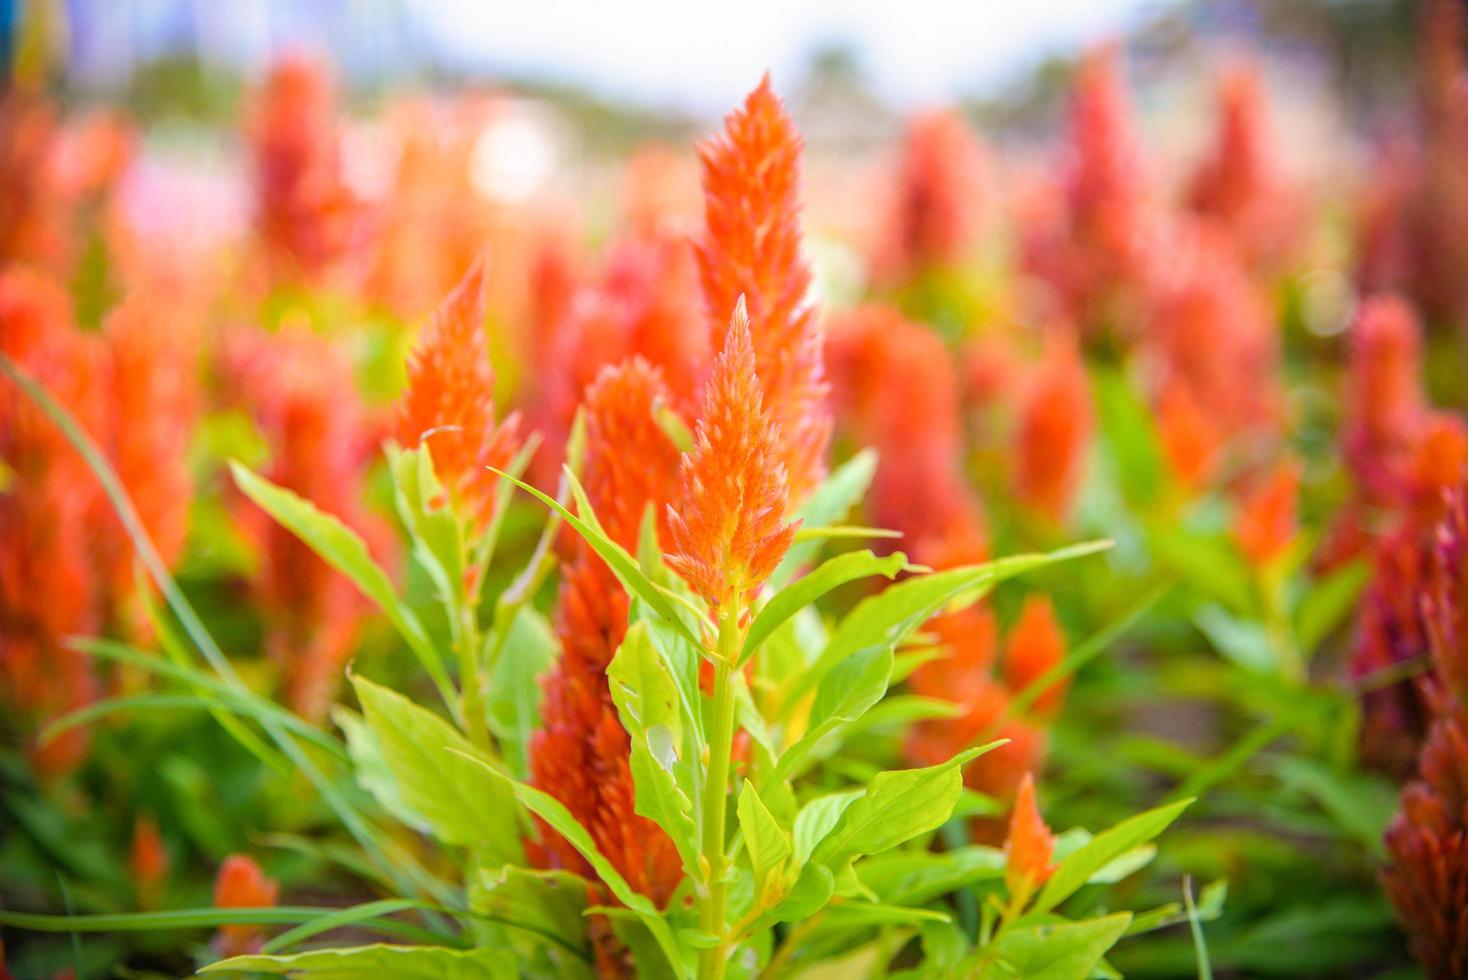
(1383, 401)
(580, 754)
(449, 400)
(729, 530)
(1034, 647)
(241, 884)
(1267, 521)
(752, 248)
(1030, 844)
(938, 200)
(1427, 878)
(1053, 432)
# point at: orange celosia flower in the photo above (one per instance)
(1089, 238)
(643, 304)
(1190, 440)
(1030, 843)
(152, 373)
(1207, 327)
(48, 580)
(449, 401)
(1266, 521)
(1054, 431)
(302, 395)
(1034, 646)
(895, 388)
(306, 216)
(938, 201)
(729, 531)
(1238, 184)
(752, 249)
(1383, 401)
(580, 754)
(241, 884)
(147, 860)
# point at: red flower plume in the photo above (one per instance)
(1030, 843)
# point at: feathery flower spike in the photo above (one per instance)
(729, 532)
(751, 177)
(449, 400)
(1030, 843)
(241, 884)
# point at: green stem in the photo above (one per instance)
(712, 920)
(471, 678)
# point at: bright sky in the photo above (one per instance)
(703, 56)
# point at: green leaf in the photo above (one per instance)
(341, 548)
(647, 702)
(437, 535)
(808, 588)
(826, 505)
(550, 904)
(816, 819)
(1104, 848)
(906, 877)
(768, 844)
(554, 813)
(406, 962)
(810, 893)
(1051, 950)
(1209, 564)
(514, 694)
(1128, 428)
(897, 806)
(1208, 908)
(844, 695)
(887, 618)
(1328, 603)
(427, 757)
(1241, 640)
(356, 915)
(623, 565)
(372, 770)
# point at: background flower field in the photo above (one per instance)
(496, 529)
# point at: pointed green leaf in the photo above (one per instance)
(1104, 848)
(554, 813)
(1051, 950)
(341, 548)
(646, 697)
(826, 505)
(406, 962)
(767, 843)
(427, 758)
(897, 806)
(623, 565)
(809, 587)
(844, 695)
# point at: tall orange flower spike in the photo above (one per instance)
(153, 377)
(729, 532)
(147, 860)
(580, 754)
(751, 176)
(938, 203)
(449, 400)
(1030, 844)
(1054, 431)
(241, 884)
(1035, 645)
(1266, 520)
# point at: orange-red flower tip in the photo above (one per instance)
(241, 884)
(1266, 521)
(449, 399)
(1030, 843)
(729, 532)
(752, 247)
(1036, 644)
